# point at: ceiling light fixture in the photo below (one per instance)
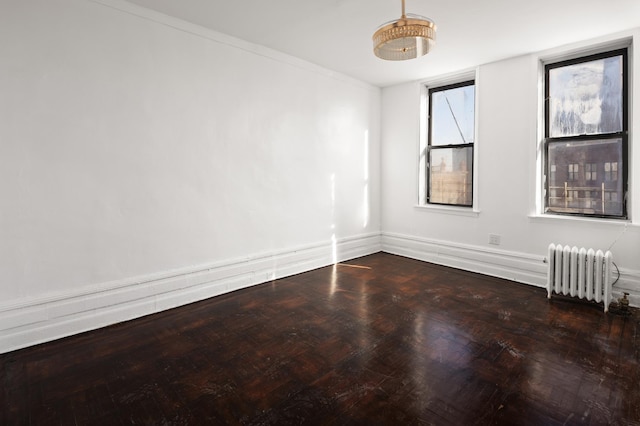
(405, 38)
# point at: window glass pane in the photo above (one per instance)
(452, 116)
(610, 171)
(586, 98)
(450, 179)
(573, 172)
(571, 191)
(591, 171)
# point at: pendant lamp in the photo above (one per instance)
(409, 37)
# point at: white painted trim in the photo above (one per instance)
(620, 40)
(48, 317)
(520, 267)
(458, 211)
(36, 320)
(589, 221)
(451, 78)
(423, 139)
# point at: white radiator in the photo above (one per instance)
(581, 273)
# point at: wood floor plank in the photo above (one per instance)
(377, 340)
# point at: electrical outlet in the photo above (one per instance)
(494, 239)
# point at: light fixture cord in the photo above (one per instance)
(403, 14)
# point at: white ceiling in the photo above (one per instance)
(336, 34)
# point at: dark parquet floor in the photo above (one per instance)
(380, 340)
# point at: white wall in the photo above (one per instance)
(146, 162)
(506, 149)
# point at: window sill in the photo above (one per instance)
(550, 218)
(450, 210)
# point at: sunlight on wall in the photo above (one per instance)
(334, 249)
(365, 198)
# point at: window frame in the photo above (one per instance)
(623, 134)
(430, 89)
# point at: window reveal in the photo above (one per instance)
(586, 135)
(450, 144)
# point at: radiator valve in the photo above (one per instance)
(623, 302)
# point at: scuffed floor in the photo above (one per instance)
(379, 340)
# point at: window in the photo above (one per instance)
(610, 171)
(573, 171)
(586, 128)
(451, 135)
(590, 171)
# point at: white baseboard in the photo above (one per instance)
(31, 321)
(36, 320)
(520, 267)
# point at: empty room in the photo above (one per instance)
(346, 212)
